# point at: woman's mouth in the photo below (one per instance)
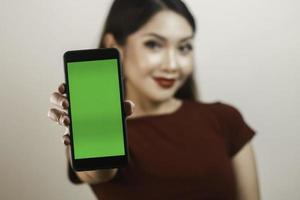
(165, 82)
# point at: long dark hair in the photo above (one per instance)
(127, 16)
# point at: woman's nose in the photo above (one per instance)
(170, 62)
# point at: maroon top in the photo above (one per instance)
(182, 155)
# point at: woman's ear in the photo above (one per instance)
(111, 42)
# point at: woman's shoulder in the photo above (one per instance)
(226, 114)
(215, 106)
(221, 110)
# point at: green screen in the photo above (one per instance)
(95, 108)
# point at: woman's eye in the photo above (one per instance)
(153, 45)
(185, 49)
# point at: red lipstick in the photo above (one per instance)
(164, 82)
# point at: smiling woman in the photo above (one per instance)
(180, 147)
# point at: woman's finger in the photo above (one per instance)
(129, 106)
(59, 100)
(59, 116)
(62, 88)
(66, 137)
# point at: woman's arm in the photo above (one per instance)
(244, 167)
(97, 176)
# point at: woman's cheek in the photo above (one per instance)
(186, 65)
(152, 60)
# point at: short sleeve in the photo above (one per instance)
(233, 128)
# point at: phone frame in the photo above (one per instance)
(99, 162)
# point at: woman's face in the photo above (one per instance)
(158, 58)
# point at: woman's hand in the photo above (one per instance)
(60, 115)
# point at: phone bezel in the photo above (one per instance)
(99, 162)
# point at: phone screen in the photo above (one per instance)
(95, 108)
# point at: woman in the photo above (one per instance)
(179, 148)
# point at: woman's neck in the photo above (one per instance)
(145, 107)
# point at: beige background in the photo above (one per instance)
(247, 55)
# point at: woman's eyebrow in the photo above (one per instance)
(156, 35)
(187, 38)
(164, 39)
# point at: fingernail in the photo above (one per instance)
(61, 88)
(66, 142)
(65, 104)
(66, 122)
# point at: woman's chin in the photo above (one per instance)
(162, 97)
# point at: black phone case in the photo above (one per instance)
(101, 162)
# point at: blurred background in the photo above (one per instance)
(247, 55)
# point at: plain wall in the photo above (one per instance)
(247, 55)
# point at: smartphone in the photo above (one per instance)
(94, 90)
